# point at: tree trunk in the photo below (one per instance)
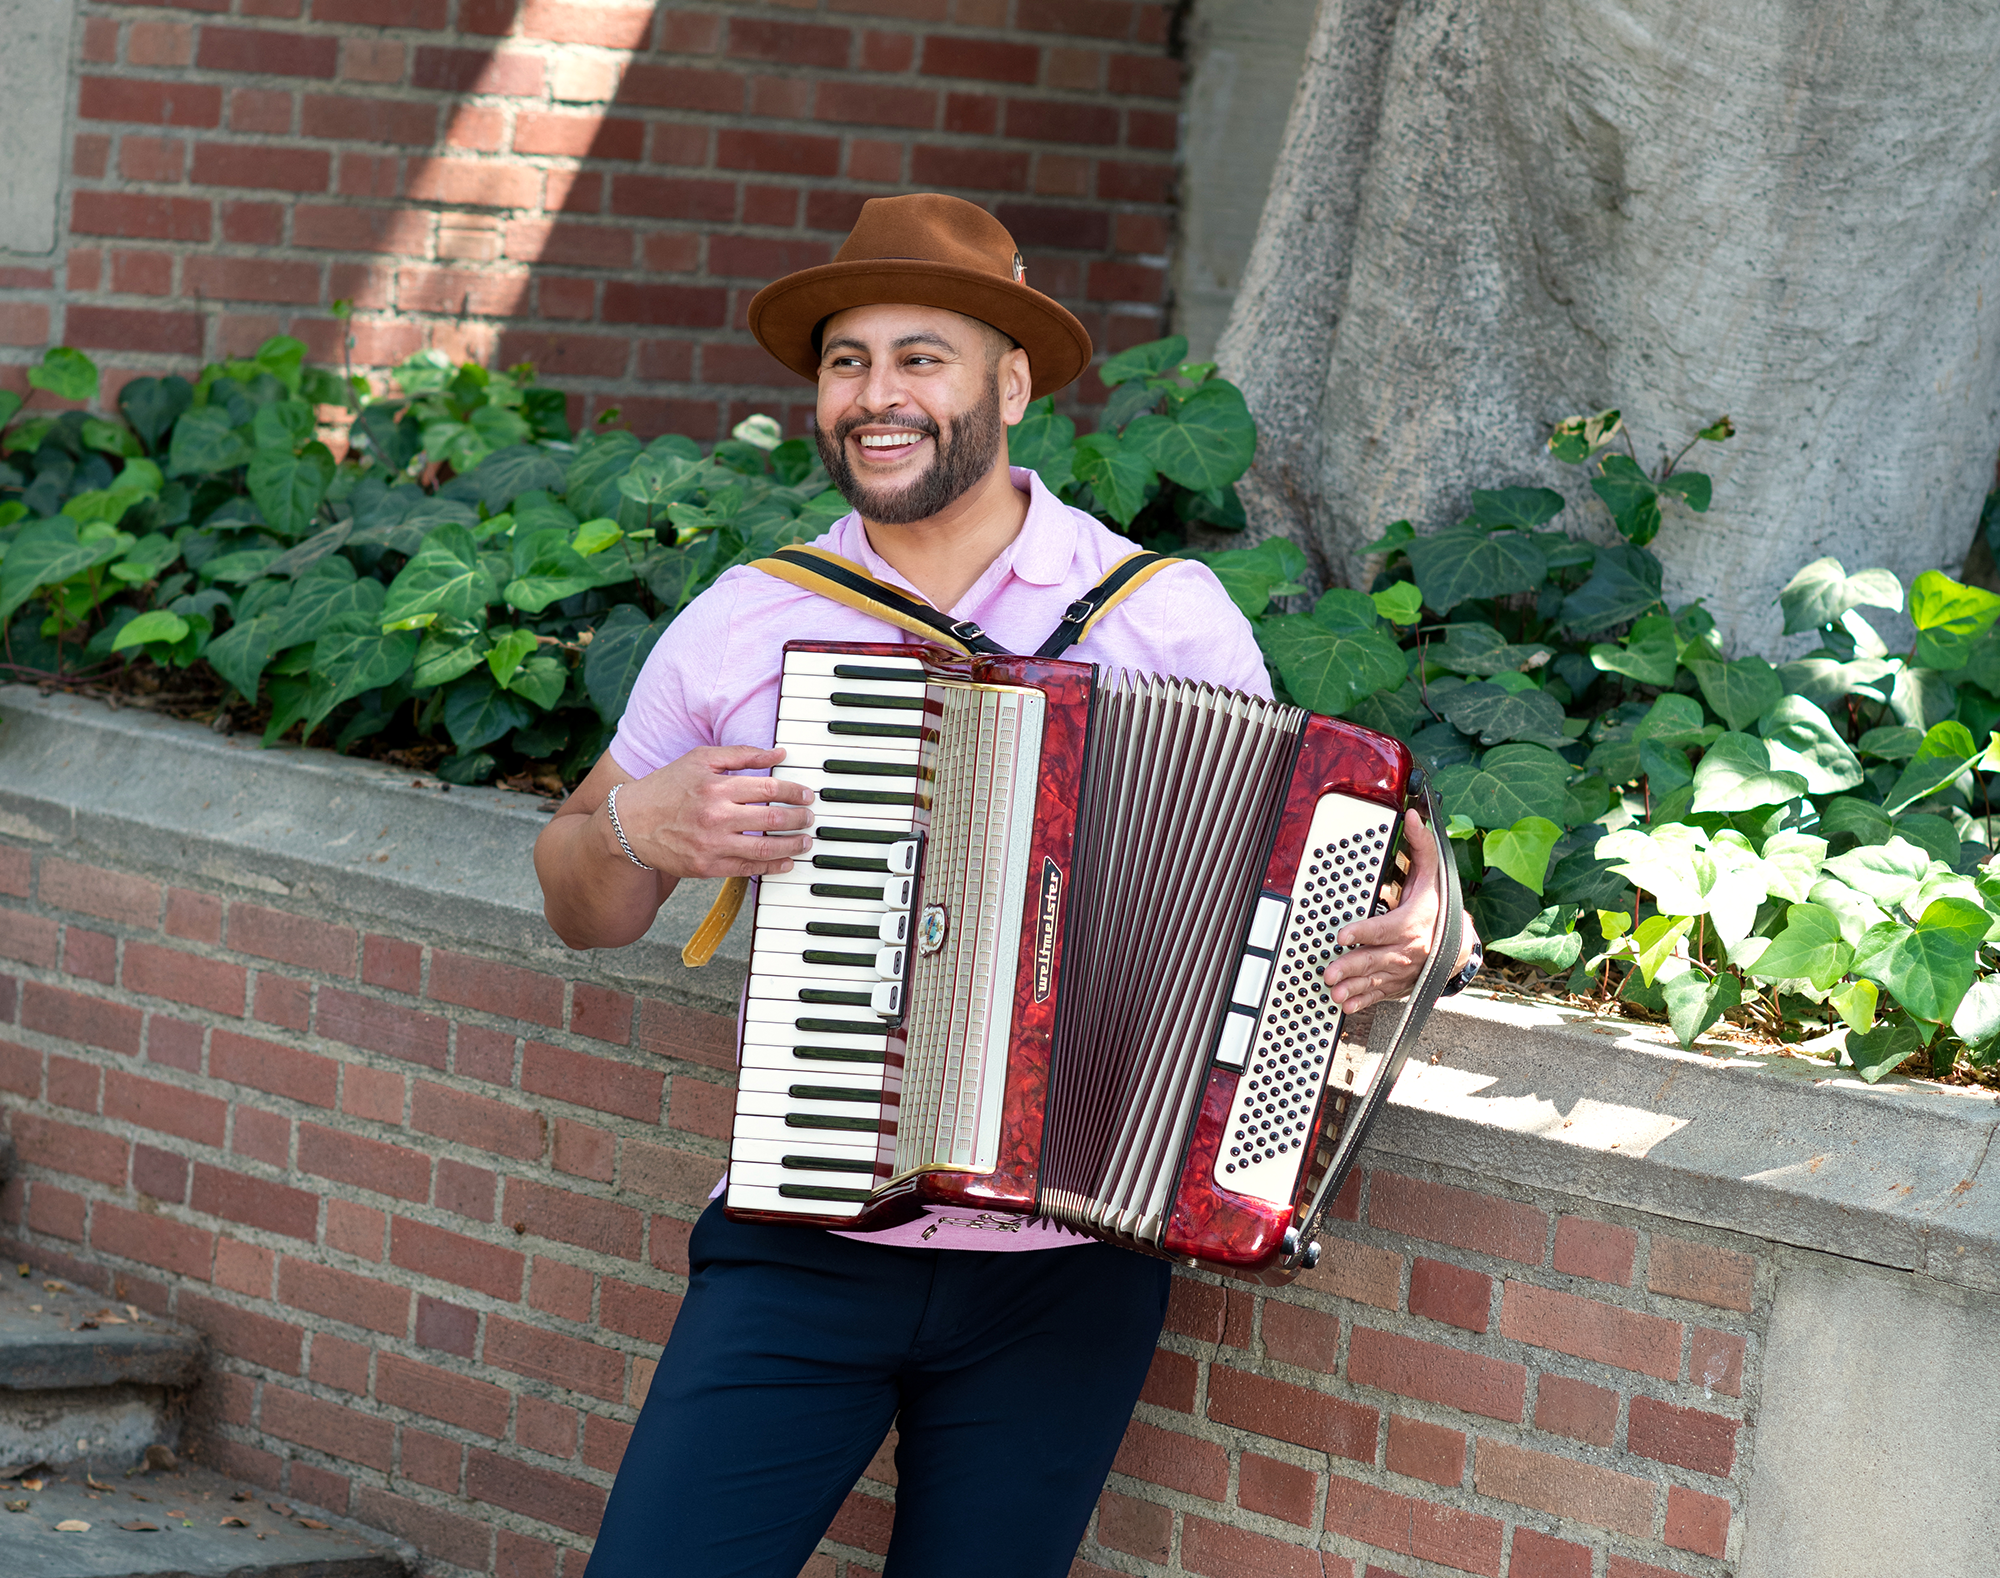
(1490, 216)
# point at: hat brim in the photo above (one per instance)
(784, 313)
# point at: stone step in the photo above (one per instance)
(84, 1379)
(186, 1508)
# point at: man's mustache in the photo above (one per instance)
(921, 424)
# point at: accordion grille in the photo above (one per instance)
(983, 766)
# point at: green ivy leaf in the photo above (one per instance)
(509, 650)
(153, 405)
(1823, 591)
(1855, 1003)
(1496, 716)
(1482, 650)
(283, 424)
(1508, 783)
(1937, 602)
(1976, 1021)
(1631, 496)
(47, 553)
(1575, 438)
(595, 536)
(1624, 583)
(1044, 441)
(1248, 574)
(444, 580)
(1143, 361)
(353, 655)
(1802, 739)
(1695, 1002)
(616, 654)
(1884, 1049)
(204, 441)
(1400, 604)
(541, 680)
(1523, 507)
(1886, 873)
(1926, 968)
(477, 712)
(1867, 821)
(1809, 948)
(1947, 750)
(330, 590)
(1463, 562)
(1343, 608)
(1549, 941)
(288, 488)
(1208, 442)
(1654, 940)
(1736, 775)
(443, 656)
(241, 652)
(66, 374)
(1328, 670)
(155, 625)
(1740, 692)
(1118, 473)
(1649, 653)
(1399, 535)
(1522, 851)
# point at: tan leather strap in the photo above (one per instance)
(715, 924)
(1120, 582)
(845, 582)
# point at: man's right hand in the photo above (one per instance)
(697, 817)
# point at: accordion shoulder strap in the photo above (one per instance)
(1125, 577)
(828, 574)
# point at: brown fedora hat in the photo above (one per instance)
(923, 250)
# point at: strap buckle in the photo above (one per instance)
(1079, 611)
(965, 630)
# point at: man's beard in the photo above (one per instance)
(962, 458)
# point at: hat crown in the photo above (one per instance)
(930, 227)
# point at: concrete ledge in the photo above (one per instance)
(327, 830)
(45, 1344)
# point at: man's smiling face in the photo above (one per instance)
(911, 412)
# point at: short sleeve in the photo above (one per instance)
(671, 709)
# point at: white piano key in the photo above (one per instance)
(824, 709)
(766, 1198)
(824, 663)
(1265, 924)
(847, 1076)
(856, 889)
(760, 1138)
(777, 1017)
(837, 750)
(1233, 1045)
(805, 744)
(774, 1046)
(781, 920)
(1251, 975)
(819, 782)
(885, 963)
(825, 688)
(779, 1104)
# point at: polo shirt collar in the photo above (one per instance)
(1040, 555)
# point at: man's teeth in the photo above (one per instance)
(889, 440)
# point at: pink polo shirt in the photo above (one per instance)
(713, 677)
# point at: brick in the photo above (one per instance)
(429, 14)
(1166, 1457)
(278, 934)
(681, 88)
(168, 103)
(1433, 1373)
(1576, 1409)
(864, 1521)
(594, 1082)
(1039, 225)
(65, 1148)
(604, 1443)
(262, 1136)
(261, 111)
(495, 988)
(1295, 1335)
(560, 297)
(255, 1202)
(1586, 1329)
(244, 1268)
(152, 1240)
(584, 1151)
(347, 229)
(778, 153)
(865, 104)
(432, 1460)
(383, 1027)
(563, 356)
(544, 1494)
(1459, 1297)
(32, 939)
(475, 184)
(266, 51)
(699, 1107)
(479, 1121)
(570, 136)
(160, 1175)
(1281, 1490)
(456, 293)
(452, 1257)
(326, 1427)
(16, 865)
(1425, 1451)
(504, 72)
(549, 243)
(151, 158)
(874, 159)
(1144, 76)
(341, 1295)
(353, 1229)
(466, 1190)
(371, 60)
(1696, 1522)
(1563, 1486)
(1601, 1251)
(1140, 1528)
(1218, 1550)
(570, 1218)
(1061, 120)
(131, 329)
(262, 167)
(972, 114)
(1195, 1309)
(74, 1083)
(597, 1011)
(685, 306)
(645, 1313)
(195, 916)
(159, 44)
(1125, 282)
(20, 1069)
(188, 978)
(545, 1427)
(391, 962)
(169, 1109)
(244, 1334)
(1684, 1270)
(443, 1535)
(557, 1288)
(269, 1066)
(109, 895)
(439, 1394)
(1121, 181)
(57, 1212)
(599, 22)
(1465, 1541)
(338, 1363)
(986, 59)
(1170, 1381)
(375, 1093)
(1539, 1556)
(173, 1043)
(142, 273)
(275, 1000)
(1158, 129)
(1715, 1362)
(1291, 1413)
(1687, 1437)
(788, 43)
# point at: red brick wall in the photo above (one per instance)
(431, 1207)
(597, 187)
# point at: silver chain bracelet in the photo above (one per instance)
(624, 843)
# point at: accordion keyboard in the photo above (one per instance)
(1292, 1050)
(816, 1110)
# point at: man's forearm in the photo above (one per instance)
(592, 894)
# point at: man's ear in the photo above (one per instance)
(1016, 384)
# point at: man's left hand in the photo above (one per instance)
(1386, 953)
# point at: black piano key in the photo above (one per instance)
(815, 1120)
(850, 863)
(827, 1164)
(891, 676)
(854, 769)
(834, 1093)
(839, 1055)
(839, 1027)
(833, 890)
(841, 929)
(838, 796)
(857, 698)
(855, 961)
(815, 994)
(862, 835)
(823, 1192)
(885, 731)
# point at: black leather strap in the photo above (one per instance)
(1077, 617)
(962, 633)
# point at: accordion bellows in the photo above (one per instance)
(1057, 951)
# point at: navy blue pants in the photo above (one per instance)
(1009, 1378)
